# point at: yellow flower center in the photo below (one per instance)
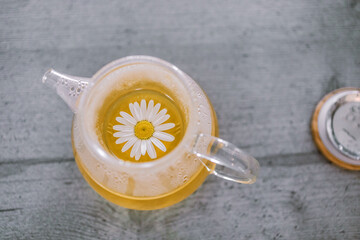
(144, 130)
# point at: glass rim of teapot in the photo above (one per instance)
(190, 132)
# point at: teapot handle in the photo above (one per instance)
(226, 160)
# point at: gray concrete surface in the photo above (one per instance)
(264, 64)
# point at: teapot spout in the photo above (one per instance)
(69, 88)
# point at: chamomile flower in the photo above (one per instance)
(143, 128)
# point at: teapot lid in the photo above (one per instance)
(336, 127)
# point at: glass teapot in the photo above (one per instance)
(135, 162)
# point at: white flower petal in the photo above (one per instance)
(149, 109)
(143, 108)
(154, 112)
(123, 128)
(164, 136)
(164, 127)
(159, 115)
(138, 111)
(123, 134)
(150, 149)
(137, 155)
(161, 120)
(122, 140)
(158, 143)
(143, 147)
(135, 148)
(124, 121)
(132, 110)
(127, 145)
(128, 117)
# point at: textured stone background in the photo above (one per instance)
(264, 64)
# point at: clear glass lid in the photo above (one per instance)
(337, 125)
(343, 125)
